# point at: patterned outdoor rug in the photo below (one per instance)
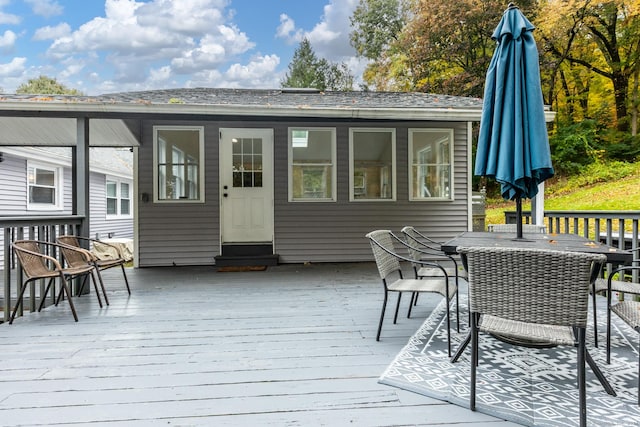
(534, 387)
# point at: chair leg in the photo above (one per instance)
(582, 393)
(65, 288)
(474, 362)
(126, 281)
(18, 302)
(44, 296)
(104, 291)
(414, 296)
(609, 327)
(595, 320)
(95, 286)
(395, 317)
(384, 306)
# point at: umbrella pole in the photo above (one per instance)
(518, 217)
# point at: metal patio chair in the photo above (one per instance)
(629, 312)
(37, 265)
(532, 294)
(421, 247)
(99, 263)
(388, 263)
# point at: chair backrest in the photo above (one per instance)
(531, 285)
(512, 228)
(72, 252)
(33, 262)
(383, 249)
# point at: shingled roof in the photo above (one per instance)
(260, 102)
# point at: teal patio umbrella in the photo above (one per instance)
(513, 145)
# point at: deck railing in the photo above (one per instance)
(45, 228)
(615, 228)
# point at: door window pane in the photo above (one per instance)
(247, 162)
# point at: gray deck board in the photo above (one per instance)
(293, 345)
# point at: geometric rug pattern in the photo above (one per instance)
(529, 386)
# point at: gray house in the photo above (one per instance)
(36, 181)
(286, 175)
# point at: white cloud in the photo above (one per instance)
(260, 72)
(287, 30)
(14, 68)
(46, 8)
(8, 40)
(51, 33)
(330, 37)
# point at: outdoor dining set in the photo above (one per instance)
(532, 290)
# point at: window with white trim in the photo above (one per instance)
(118, 198)
(372, 164)
(430, 159)
(178, 153)
(44, 187)
(312, 160)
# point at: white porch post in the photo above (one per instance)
(537, 206)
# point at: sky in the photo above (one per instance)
(106, 46)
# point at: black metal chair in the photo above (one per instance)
(388, 263)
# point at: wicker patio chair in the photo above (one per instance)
(608, 286)
(100, 264)
(532, 294)
(611, 286)
(37, 265)
(512, 228)
(388, 263)
(420, 247)
(629, 312)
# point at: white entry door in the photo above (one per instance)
(246, 185)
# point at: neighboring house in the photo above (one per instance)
(37, 181)
(302, 173)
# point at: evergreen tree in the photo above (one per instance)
(306, 70)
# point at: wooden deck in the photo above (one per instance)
(293, 345)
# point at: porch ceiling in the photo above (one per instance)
(48, 131)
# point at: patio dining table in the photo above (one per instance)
(551, 241)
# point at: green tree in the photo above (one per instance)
(46, 85)
(306, 70)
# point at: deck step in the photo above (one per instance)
(247, 254)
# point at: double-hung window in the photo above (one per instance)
(372, 160)
(44, 187)
(430, 155)
(118, 198)
(178, 153)
(312, 160)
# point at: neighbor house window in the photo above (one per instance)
(44, 187)
(118, 198)
(178, 158)
(312, 160)
(430, 154)
(372, 160)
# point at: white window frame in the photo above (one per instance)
(451, 139)
(58, 186)
(392, 173)
(201, 163)
(119, 198)
(334, 167)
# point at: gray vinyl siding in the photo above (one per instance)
(101, 225)
(13, 189)
(178, 233)
(188, 233)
